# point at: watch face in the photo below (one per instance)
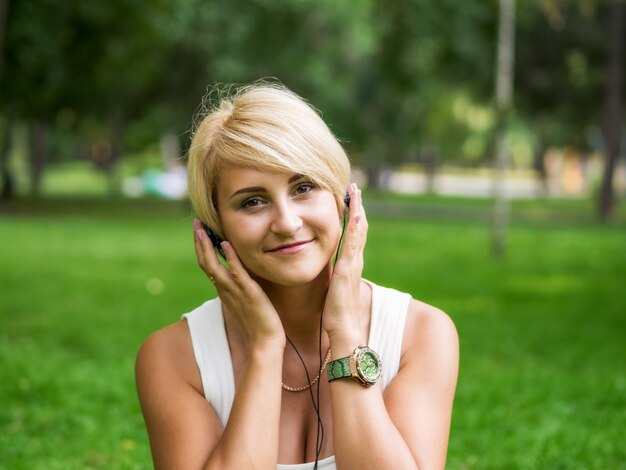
(369, 365)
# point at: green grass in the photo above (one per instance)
(542, 381)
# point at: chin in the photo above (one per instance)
(291, 276)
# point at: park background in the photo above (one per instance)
(501, 207)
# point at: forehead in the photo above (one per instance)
(234, 177)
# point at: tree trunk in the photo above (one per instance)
(429, 160)
(373, 171)
(112, 169)
(8, 180)
(38, 155)
(613, 110)
(539, 165)
(504, 99)
(4, 11)
(170, 150)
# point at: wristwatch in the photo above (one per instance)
(363, 365)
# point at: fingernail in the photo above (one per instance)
(200, 234)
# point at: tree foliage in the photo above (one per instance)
(393, 79)
(561, 66)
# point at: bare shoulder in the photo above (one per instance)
(168, 353)
(162, 342)
(175, 335)
(419, 399)
(425, 321)
(182, 425)
(430, 339)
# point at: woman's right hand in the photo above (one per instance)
(242, 297)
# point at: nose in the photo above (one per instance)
(286, 220)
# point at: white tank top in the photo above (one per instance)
(210, 347)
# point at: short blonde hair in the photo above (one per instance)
(270, 128)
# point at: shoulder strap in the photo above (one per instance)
(389, 308)
(210, 347)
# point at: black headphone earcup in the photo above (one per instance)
(215, 240)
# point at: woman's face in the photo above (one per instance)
(284, 228)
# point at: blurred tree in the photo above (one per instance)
(504, 102)
(86, 58)
(4, 6)
(613, 108)
(561, 83)
(7, 177)
(30, 79)
(402, 81)
(311, 46)
(146, 65)
(423, 55)
(560, 66)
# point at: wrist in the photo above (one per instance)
(266, 349)
(363, 366)
(343, 344)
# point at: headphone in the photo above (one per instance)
(215, 240)
(346, 200)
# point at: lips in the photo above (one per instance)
(291, 247)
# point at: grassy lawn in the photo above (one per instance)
(542, 381)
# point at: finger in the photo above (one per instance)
(237, 270)
(357, 207)
(348, 245)
(201, 253)
(363, 224)
(207, 257)
(356, 233)
(197, 244)
(355, 224)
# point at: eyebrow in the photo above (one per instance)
(260, 189)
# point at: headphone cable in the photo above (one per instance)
(319, 440)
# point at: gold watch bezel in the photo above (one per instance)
(355, 370)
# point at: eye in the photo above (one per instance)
(251, 203)
(303, 188)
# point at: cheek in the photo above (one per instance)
(330, 220)
(245, 235)
(241, 232)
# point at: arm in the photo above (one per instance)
(182, 426)
(407, 427)
(419, 399)
(184, 429)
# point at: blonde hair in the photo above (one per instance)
(269, 128)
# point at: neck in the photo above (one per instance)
(300, 308)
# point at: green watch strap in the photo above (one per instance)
(338, 369)
(363, 365)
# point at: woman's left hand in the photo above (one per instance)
(341, 309)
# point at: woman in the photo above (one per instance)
(273, 372)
